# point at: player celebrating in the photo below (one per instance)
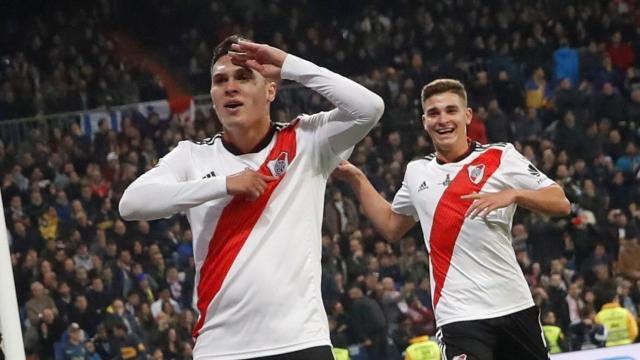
(253, 196)
(465, 196)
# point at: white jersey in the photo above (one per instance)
(474, 272)
(258, 263)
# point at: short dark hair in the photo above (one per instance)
(440, 86)
(224, 46)
(609, 291)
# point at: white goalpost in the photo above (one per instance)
(13, 346)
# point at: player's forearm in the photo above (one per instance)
(356, 105)
(375, 207)
(550, 200)
(144, 200)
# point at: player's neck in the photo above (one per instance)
(454, 153)
(249, 139)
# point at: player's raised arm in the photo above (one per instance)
(357, 108)
(389, 223)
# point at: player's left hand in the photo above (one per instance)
(265, 59)
(485, 203)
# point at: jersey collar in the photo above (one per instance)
(261, 145)
(471, 146)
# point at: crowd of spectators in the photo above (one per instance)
(556, 78)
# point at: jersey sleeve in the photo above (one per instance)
(402, 203)
(520, 173)
(335, 132)
(166, 189)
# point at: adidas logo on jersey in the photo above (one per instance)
(211, 174)
(423, 186)
(533, 170)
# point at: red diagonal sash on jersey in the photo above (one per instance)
(450, 214)
(236, 223)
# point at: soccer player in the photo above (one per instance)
(253, 196)
(464, 196)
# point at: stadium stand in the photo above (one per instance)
(557, 78)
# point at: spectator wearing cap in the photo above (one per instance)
(74, 349)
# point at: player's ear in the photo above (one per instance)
(424, 121)
(272, 90)
(468, 115)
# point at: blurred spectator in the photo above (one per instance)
(340, 214)
(74, 349)
(622, 327)
(621, 53)
(368, 325)
(127, 345)
(50, 329)
(587, 334)
(164, 296)
(39, 301)
(553, 333)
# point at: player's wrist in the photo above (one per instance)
(517, 196)
(356, 178)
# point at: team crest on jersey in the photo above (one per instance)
(460, 357)
(476, 173)
(279, 166)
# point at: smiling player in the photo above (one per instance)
(465, 196)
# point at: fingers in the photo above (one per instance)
(472, 196)
(486, 211)
(238, 58)
(480, 209)
(255, 65)
(246, 45)
(267, 178)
